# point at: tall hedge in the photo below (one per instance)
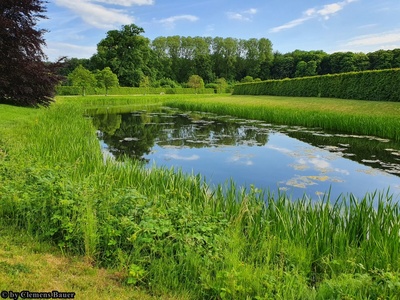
(380, 85)
(76, 90)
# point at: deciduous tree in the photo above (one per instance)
(25, 78)
(82, 77)
(196, 82)
(222, 85)
(107, 79)
(127, 53)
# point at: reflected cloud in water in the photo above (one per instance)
(179, 157)
(294, 160)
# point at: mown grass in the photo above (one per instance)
(170, 234)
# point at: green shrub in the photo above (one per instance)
(380, 85)
(76, 90)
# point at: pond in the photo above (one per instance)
(290, 159)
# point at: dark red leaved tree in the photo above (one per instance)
(25, 79)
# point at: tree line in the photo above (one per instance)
(137, 60)
(174, 61)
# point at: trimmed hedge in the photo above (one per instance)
(76, 90)
(379, 85)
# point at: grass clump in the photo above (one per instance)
(168, 233)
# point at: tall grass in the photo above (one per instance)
(347, 116)
(169, 231)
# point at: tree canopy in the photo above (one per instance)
(126, 53)
(107, 79)
(170, 61)
(82, 77)
(196, 82)
(25, 79)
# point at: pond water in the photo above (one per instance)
(290, 159)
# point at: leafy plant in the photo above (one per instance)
(83, 78)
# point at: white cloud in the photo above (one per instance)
(241, 159)
(342, 171)
(386, 40)
(325, 12)
(330, 9)
(179, 157)
(170, 22)
(251, 11)
(126, 2)
(96, 15)
(54, 50)
(320, 163)
(315, 162)
(379, 39)
(290, 24)
(367, 26)
(242, 16)
(309, 12)
(279, 149)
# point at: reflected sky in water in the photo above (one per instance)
(294, 160)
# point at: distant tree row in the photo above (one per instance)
(83, 78)
(309, 63)
(127, 57)
(172, 60)
(106, 79)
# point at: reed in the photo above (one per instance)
(347, 116)
(171, 232)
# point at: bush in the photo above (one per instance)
(76, 90)
(380, 85)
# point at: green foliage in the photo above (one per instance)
(306, 68)
(107, 79)
(136, 274)
(222, 85)
(127, 53)
(347, 116)
(74, 90)
(145, 82)
(167, 83)
(83, 78)
(212, 86)
(25, 78)
(375, 284)
(133, 57)
(169, 231)
(247, 79)
(369, 85)
(196, 82)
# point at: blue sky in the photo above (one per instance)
(76, 26)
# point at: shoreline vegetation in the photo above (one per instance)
(166, 233)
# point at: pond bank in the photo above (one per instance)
(166, 232)
(379, 119)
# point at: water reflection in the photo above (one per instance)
(281, 158)
(135, 134)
